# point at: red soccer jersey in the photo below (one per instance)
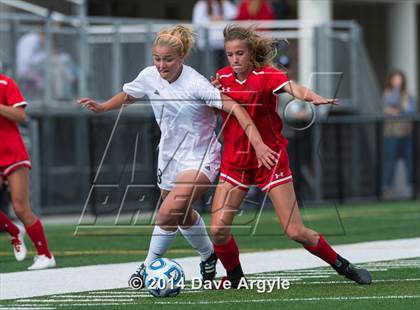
(257, 95)
(12, 148)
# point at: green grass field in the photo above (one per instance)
(396, 283)
(118, 244)
(396, 286)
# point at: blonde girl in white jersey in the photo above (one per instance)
(189, 153)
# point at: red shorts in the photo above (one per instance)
(265, 179)
(5, 171)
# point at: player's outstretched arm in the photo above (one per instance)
(16, 114)
(265, 155)
(114, 103)
(303, 93)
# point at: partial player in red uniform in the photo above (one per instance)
(255, 10)
(14, 167)
(253, 81)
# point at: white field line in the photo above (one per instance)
(95, 304)
(285, 277)
(287, 299)
(83, 300)
(140, 294)
(347, 282)
(27, 308)
(53, 301)
(115, 293)
(113, 276)
(95, 296)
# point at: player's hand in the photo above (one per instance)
(318, 100)
(266, 156)
(91, 105)
(215, 81)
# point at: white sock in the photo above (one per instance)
(160, 242)
(198, 238)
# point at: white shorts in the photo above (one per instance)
(168, 172)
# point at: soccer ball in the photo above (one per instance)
(164, 277)
(299, 115)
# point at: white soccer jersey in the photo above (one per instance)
(183, 110)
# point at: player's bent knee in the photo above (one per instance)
(166, 219)
(296, 234)
(219, 235)
(24, 213)
(21, 208)
(167, 222)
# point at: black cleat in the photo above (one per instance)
(235, 276)
(208, 268)
(136, 280)
(351, 272)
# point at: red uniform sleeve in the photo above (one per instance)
(266, 13)
(14, 96)
(242, 12)
(275, 80)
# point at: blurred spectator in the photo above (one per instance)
(205, 12)
(397, 132)
(255, 10)
(64, 76)
(30, 60)
(31, 56)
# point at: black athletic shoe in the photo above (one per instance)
(235, 276)
(136, 280)
(208, 268)
(356, 274)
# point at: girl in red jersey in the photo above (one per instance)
(253, 81)
(14, 167)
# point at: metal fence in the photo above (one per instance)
(106, 52)
(112, 165)
(75, 166)
(342, 159)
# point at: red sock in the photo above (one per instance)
(37, 235)
(228, 254)
(7, 225)
(323, 250)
